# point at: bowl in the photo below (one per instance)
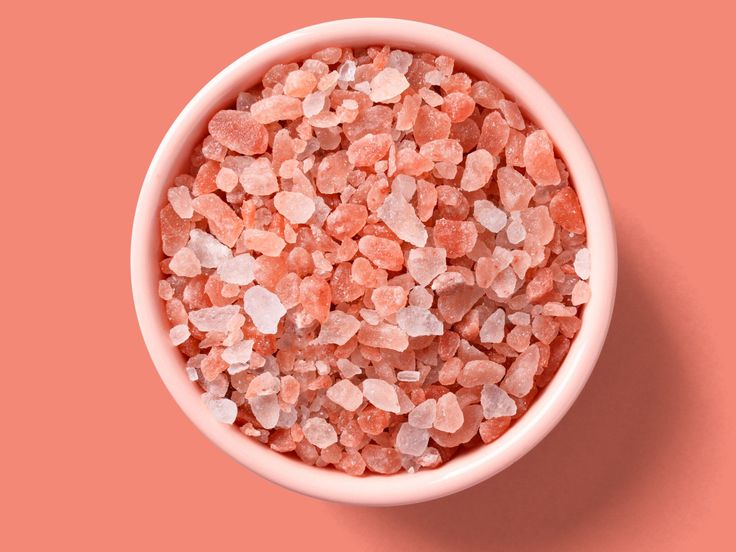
(468, 468)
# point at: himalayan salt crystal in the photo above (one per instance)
(370, 316)
(416, 321)
(386, 336)
(238, 270)
(456, 237)
(448, 282)
(299, 83)
(479, 167)
(400, 60)
(239, 131)
(512, 114)
(420, 297)
(352, 463)
(224, 224)
(514, 150)
(412, 163)
(539, 226)
(380, 459)
(185, 263)
(564, 208)
(520, 376)
(213, 365)
(540, 285)
(206, 179)
(453, 306)
(480, 372)
(264, 308)
(258, 178)
(539, 159)
(467, 133)
(338, 328)
(346, 220)
(296, 207)
(224, 410)
(431, 97)
(520, 318)
(580, 293)
(382, 252)
(472, 418)
(582, 263)
(346, 394)
(408, 113)
(488, 215)
(381, 394)
(289, 392)
(315, 296)
(425, 263)
(504, 285)
(368, 149)
(347, 369)
(515, 231)
(276, 108)
(409, 376)
(239, 353)
(174, 230)
(492, 429)
(444, 150)
(344, 288)
(545, 328)
(518, 338)
(262, 385)
(319, 432)
(486, 94)
(431, 124)
(411, 440)
(179, 334)
(492, 330)
(262, 241)
(181, 201)
(459, 106)
(449, 417)
(426, 200)
(445, 170)
(213, 319)
(494, 133)
(424, 414)
(314, 103)
(558, 309)
(400, 217)
(388, 299)
(450, 371)
(226, 179)
(332, 173)
(515, 189)
(496, 403)
(387, 84)
(404, 185)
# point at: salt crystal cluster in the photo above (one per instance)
(374, 262)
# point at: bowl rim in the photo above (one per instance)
(475, 465)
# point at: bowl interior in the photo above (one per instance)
(172, 158)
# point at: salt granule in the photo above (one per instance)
(210, 252)
(416, 321)
(582, 263)
(264, 308)
(423, 415)
(381, 394)
(213, 319)
(237, 270)
(449, 416)
(320, 433)
(490, 216)
(224, 410)
(399, 216)
(338, 328)
(412, 440)
(492, 330)
(387, 84)
(496, 402)
(179, 334)
(346, 394)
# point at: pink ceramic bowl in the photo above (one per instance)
(470, 467)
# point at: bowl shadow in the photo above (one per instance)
(614, 435)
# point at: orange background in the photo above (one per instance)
(96, 456)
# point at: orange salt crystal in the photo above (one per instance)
(276, 108)
(494, 133)
(412, 163)
(456, 237)
(367, 150)
(332, 173)
(388, 299)
(467, 133)
(206, 179)
(262, 241)
(539, 159)
(458, 106)
(565, 210)
(382, 252)
(224, 224)
(431, 124)
(516, 190)
(174, 230)
(315, 296)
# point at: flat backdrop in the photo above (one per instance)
(96, 455)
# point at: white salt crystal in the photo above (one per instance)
(287, 418)
(346, 72)
(489, 216)
(192, 373)
(322, 367)
(363, 87)
(239, 353)
(410, 376)
(348, 369)
(237, 270)
(314, 103)
(346, 394)
(208, 249)
(338, 328)
(319, 432)
(582, 263)
(515, 231)
(381, 394)
(416, 321)
(266, 410)
(217, 387)
(224, 410)
(400, 217)
(404, 185)
(213, 319)
(433, 77)
(387, 84)
(179, 334)
(412, 440)
(496, 402)
(236, 368)
(264, 308)
(424, 414)
(492, 330)
(400, 60)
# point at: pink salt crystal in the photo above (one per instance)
(368, 149)
(388, 299)
(338, 328)
(580, 293)
(420, 297)
(328, 55)
(515, 231)
(224, 410)
(426, 200)
(404, 185)
(224, 224)
(459, 106)
(276, 108)
(496, 402)
(226, 179)
(545, 328)
(165, 290)
(239, 131)
(423, 415)
(480, 372)
(431, 124)
(400, 217)
(479, 167)
(239, 353)
(505, 283)
(412, 163)
(387, 84)
(425, 263)
(488, 215)
(564, 208)
(319, 432)
(264, 308)
(332, 173)
(431, 97)
(205, 181)
(381, 394)
(539, 226)
(237, 270)
(514, 150)
(383, 335)
(314, 103)
(515, 189)
(382, 252)
(518, 338)
(213, 319)
(453, 306)
(449, 416)
(179, 334)
(181, 201)
(262, 241)
(512, 114)
(295, 206)
(558, 309)
(346, 394)
(520, 376)
(258, 178)
(416, 321)
(539, 159)
(210, 252)
(408, 113)
(315, 296)
(411, 440)
(443, 150)
(299, 83)
(185, 263)
(262, 385)
(486, 94)
(467, 133)
(582, 263)
(381, 460)
(174, 230)
(456, 237)
(346, 220)
(325, 119)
